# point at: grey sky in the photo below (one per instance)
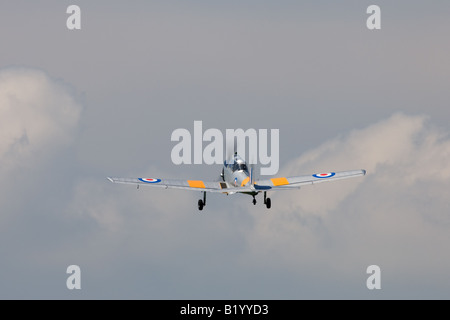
(77, 106)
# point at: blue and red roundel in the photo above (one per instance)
(324, 175)
(150, 180)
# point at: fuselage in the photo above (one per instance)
(235, 172)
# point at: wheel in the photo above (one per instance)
(268, 203)
(254, 201)
(200, 205)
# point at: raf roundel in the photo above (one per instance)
(324, 175)
(150, 180)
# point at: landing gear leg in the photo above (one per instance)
(201, 203)
(267, 201)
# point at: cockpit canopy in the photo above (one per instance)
(238, 166)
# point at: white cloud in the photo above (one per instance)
(37, 115)
(398, 152)
(396, 216)
(38, 120)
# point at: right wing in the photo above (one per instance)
(297, 182)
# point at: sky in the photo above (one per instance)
(77, 106)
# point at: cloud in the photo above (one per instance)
(396, 216)
(400, 152)
(39, 119)
(37, 115)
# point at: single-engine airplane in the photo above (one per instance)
(237, 178)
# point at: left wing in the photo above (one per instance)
(198, 185)
(297, 182)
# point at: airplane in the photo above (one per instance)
(237, 178)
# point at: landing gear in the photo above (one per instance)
(202, 203)
(267, 201)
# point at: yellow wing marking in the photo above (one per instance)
(196, 184)
(279, 181)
